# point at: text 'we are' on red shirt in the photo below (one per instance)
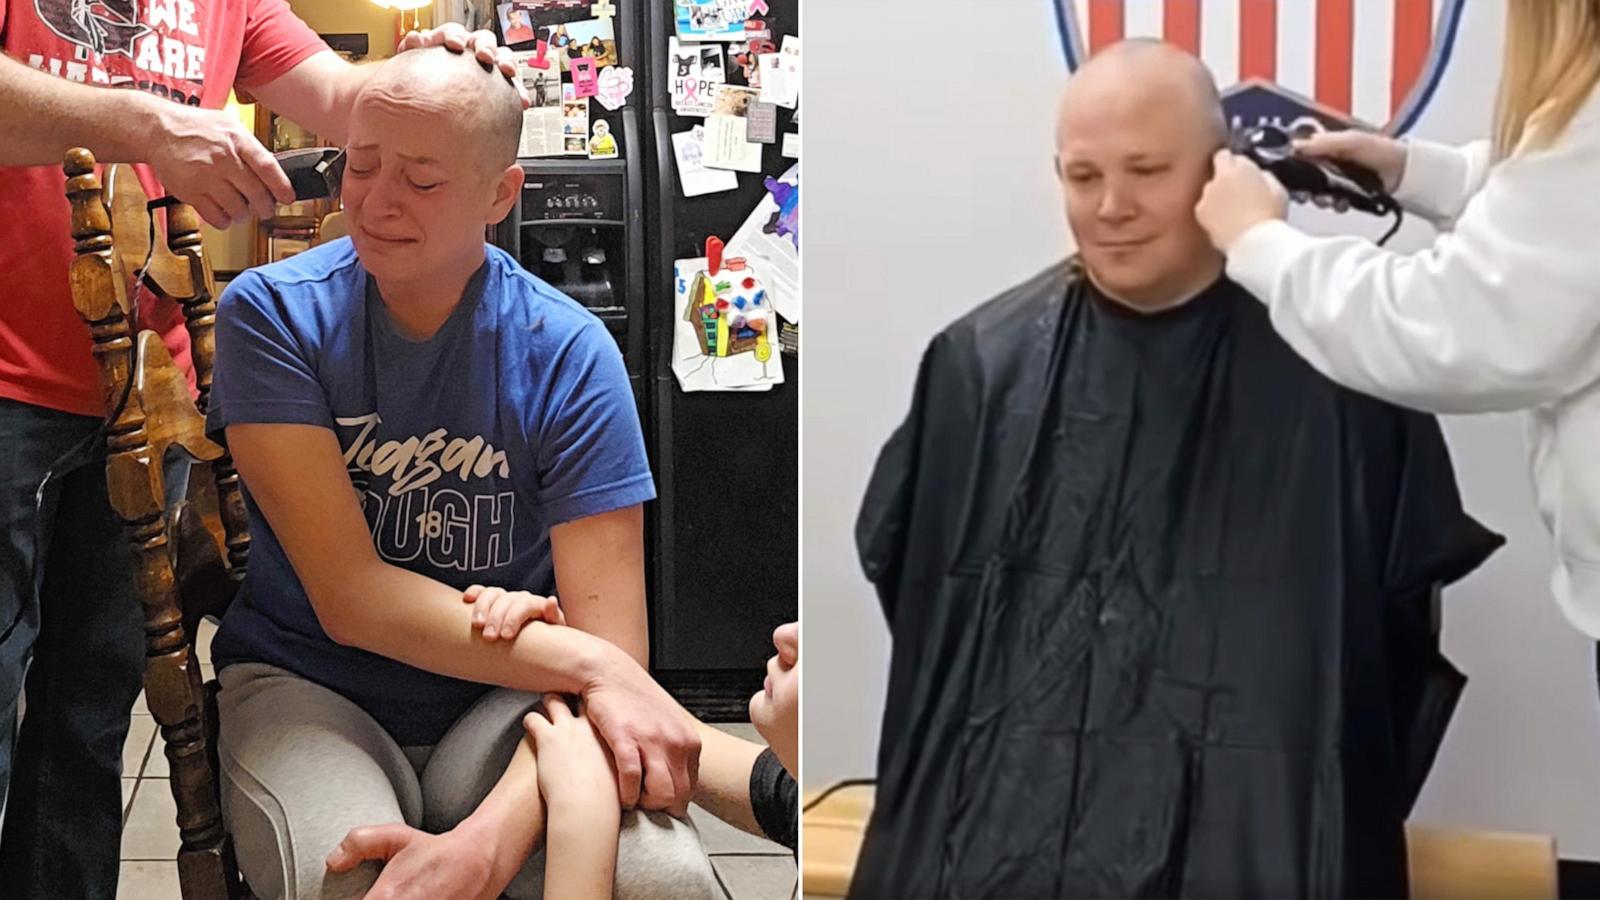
(188, 51)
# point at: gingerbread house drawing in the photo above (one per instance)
(730, 314)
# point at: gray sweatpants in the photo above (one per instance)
(302, 765)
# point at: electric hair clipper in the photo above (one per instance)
(1272, 149)
(314, 172)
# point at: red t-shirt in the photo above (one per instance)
(189, 51)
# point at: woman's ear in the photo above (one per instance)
(507, 192)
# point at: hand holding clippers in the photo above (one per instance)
(1273, 150)
(314, 172)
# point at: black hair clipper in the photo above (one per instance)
(1272, 149)
(314, 172)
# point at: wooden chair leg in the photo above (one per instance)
(135, 480)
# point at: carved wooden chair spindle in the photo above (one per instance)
(189, 552)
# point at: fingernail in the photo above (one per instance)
(489, 632)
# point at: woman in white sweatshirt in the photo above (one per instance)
(1502, 312)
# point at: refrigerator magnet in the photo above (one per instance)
(615, 86)
(711, 20)
(762, 126)
(602, 145)
(585, 76)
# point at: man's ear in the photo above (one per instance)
(507, 193)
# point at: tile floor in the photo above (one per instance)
(750, 868)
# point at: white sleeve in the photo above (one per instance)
(1439, 179)
(1501, 313)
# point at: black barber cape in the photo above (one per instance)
(1161, 606)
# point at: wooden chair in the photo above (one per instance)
(332, 227)
(189, 552)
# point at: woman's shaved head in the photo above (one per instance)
(475, 103)
(431, 162)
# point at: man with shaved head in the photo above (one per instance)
(1160, 595)
(419, 422)
(1135, 134)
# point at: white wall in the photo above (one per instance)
(929, 188)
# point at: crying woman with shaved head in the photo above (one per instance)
(435, 445)
(1161, 596)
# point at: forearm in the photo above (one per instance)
(1436, 331)
(424, 623)
(511, 818)
(724, 786)
(580, 858)
(1439, 179)
(319, 94)
(329, 117)
(44, 116)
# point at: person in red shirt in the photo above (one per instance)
(139, 81)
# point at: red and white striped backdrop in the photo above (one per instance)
(1359, 57)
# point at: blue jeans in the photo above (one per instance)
(67, 599)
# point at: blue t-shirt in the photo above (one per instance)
(464, 449)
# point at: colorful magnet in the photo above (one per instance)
(714, 247)
(541, 55)
(602, 145)
(757, 30)
(616, 84)
(585, 76)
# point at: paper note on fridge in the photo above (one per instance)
(697, 180)
(728, 145)
(775, 81)
(762, 127)
(780, 74)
